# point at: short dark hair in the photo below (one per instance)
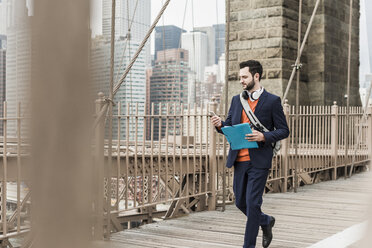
(254, 67)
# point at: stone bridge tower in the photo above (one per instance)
(266, 30)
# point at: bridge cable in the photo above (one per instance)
(117, 86)
(110, 106)
(126, 39)
(227, 56)
(297, 65)
(178, 59)
(348, 87)
(193, 44)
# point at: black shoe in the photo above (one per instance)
(267, 233)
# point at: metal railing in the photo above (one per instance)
(15, 194)
(170, 161)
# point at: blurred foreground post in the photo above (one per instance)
(61, 203)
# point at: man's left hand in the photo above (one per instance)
(255, 136)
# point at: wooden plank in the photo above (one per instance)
(314, 213)
(306, 178)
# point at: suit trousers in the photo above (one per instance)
(249, 184)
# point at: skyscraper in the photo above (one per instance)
(2, 41)
(169, 84)
(18, 61)
(167, 37)
(219, 32)
(3, 21)
(132, 22)
(197, 45)
(210, 32)
(135, 14)
(132, 91)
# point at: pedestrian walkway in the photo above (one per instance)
(309, 218)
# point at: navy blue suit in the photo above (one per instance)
(269, 111)
(250, 177)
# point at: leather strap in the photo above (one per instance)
(251, 116)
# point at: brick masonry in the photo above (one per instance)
(266, 30)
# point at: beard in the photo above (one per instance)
(250, 85)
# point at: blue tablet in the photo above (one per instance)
(235, 135)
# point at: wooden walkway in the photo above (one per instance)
(313, 214)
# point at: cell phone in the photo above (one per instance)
(211, 113)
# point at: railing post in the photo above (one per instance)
(334, 139)
(212, 163)
(98, 173)
(369, 133)
(4, 181)
(284, 150)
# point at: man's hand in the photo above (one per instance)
(216, 121)
(255, 136)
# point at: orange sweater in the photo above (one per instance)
(243, 154)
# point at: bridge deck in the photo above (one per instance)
(313, 214)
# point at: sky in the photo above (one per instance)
(178, 13)
(206, 12)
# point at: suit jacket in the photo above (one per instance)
(269, 111)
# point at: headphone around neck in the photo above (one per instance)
(254, 95)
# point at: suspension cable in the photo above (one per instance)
(348, 87)
(227, 55)
(164, 64)
(121, 80)
(117, 86)
(178, 60)
(295, 68)
(126, 39)
(193, 44)
(110, 106)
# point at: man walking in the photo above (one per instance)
(251, 166)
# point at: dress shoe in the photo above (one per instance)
(267, 231)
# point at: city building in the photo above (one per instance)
(135, 14)
(222, 68)
(132, 92)
(18, 61)
(3, 16)
(197, 45)
(192, 90)
(219, 32)
(216, 41)
(167, 37)
(211, 36)
(148, 102)
(197, 128)
(2, 41)
(169, 85)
